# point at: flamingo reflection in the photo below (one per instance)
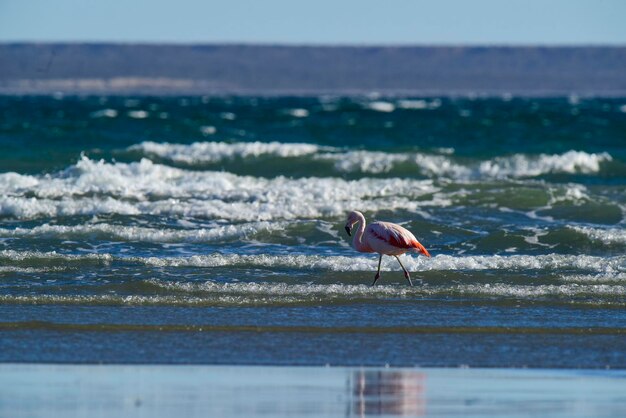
(386, 392)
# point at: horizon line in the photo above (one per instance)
(316, 45)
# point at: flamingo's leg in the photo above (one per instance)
(378, 272)
(406, 273)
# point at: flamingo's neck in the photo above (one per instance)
(357, 241)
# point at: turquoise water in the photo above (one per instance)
(210, 230)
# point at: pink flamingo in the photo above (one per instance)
(384, 238)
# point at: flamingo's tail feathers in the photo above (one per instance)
(420, 249)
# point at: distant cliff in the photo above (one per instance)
(28, 68)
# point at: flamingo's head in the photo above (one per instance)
(354, 217)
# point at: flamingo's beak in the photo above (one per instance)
(348, 230)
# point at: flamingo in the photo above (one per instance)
(384, 238)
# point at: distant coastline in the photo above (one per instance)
(90, 68)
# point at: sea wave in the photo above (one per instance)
(558, 263)
(217, 233)
(432, 164)
(385, 291)
(95, 187)
(606, 236)
(553, 278)
(28, 270)
(514, 166)
(376, 162)
(570, 162)
(280, 294)
(210, 152)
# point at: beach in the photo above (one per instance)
(155, 391)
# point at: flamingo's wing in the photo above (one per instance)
(396, 236)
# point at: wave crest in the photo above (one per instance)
(377, 162)
(95, 187)
(550, 262)
(217, 233)
(211, 152)
(607, 236)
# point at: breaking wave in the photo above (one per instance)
(548, 262)
(606, 236)
(280, 294)
(376, 162)
(96, 187)
(217, 233)
(210, 152)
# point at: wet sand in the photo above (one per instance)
(226, 391)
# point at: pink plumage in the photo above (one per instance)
(391, 239)
(384, 238)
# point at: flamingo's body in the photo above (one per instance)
(384, 238)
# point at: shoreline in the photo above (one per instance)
(513, 368)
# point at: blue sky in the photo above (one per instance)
(546, 22)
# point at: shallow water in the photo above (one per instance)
(155, 391)
(210, 230)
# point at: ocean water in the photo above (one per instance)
(210, 230)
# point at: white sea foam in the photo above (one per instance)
(525, 166)
(104, 113)
(29, 208)
(14, 255)
(605, 235)
(557, 263)
(138, 114)
(356, 291)
(135, 233)
(364, 161)
(242, 294)
(282, 289)
(564, 291)
(29, 270)
(586, 279)
(439, 166)
(382, 162)
(143, 187)
(210, 152)
(375, 162)
(516, 166)
(573, 192)
(380, 106)
(208, 130)
(619, 278)
(228, 116)
(298, 113)
(412, 104)
(12, 182)
(93, 187)
(419, 104)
